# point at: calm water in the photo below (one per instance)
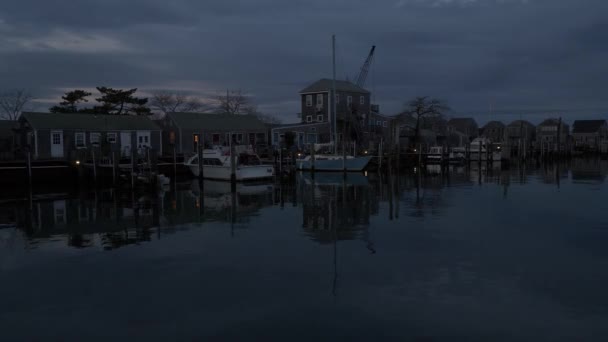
(498, 255)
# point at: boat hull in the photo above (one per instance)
(357, 164)
(243, 173)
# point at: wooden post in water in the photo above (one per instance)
(29, 167)
(380, 154)
(312, 159)
(174, 162)
(479, 156)
(343, 156)
(419, 155)
(132, 168)
(200, 161)
(114, 167)
(232, 166)
(94, 165)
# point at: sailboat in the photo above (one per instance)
(333, 162)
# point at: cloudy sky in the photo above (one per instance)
(491, 59)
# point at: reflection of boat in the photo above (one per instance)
(217, 165)
(217, 187)
(333, 163)
(330, 178)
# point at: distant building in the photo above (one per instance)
(551, 134)
(466, 126)
(185, 131)
(354, 112)
(520, 130)
(493, 130)
(588, 135)
(64, 136)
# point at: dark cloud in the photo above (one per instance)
(517, 57)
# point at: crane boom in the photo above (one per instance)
(365, 68)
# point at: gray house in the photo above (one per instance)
(588, 135)
(551, 134)
(493, 130)
(66, 136)
(185, 131)
(466, 126)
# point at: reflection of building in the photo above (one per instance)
(584, 169)
(336, 212)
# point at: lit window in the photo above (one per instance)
(362, 100)
(308, 100)
(111, 138)
(320, 118)
(319, 100)
(95, 138)
(80, 140)
(308, 118)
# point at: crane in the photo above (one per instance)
(360, 79)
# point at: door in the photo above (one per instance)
(125, 143)
(143, 139)
(57, 144)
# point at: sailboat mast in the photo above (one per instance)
(334, 124)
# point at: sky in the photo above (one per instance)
(489, 59)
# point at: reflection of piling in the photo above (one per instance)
(133, 168)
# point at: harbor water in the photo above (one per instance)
(424, 255)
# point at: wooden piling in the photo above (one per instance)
(94, 165)
(232, 166)
(115, 162)
(29, 167)
(174, 162)
(132, 168)
(200, 161)
(312, 159)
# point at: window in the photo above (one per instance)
(215, 137)
(308, 100)
(239, 138)
(320, 118)
(95, 138)
(378, 123)
(361, 99)
(313, 129)
(80, 140)
(337, 98)
(349, 100)
(319, 100)
(111, 138)
(56, 138)
(384, 124)
(172, 137)
(308, 118)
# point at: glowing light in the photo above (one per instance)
(78, 162)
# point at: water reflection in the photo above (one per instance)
(332, 207)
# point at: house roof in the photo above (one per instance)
(518, 123)
(550, 122)
(6, 128)
(89, 122)
(220, 122)
(587, 126)
(462, 124)
(325, 84)
(493, 124)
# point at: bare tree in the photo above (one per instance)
(423, 107)
(234, 102)
(12, 103)
(166, 101)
